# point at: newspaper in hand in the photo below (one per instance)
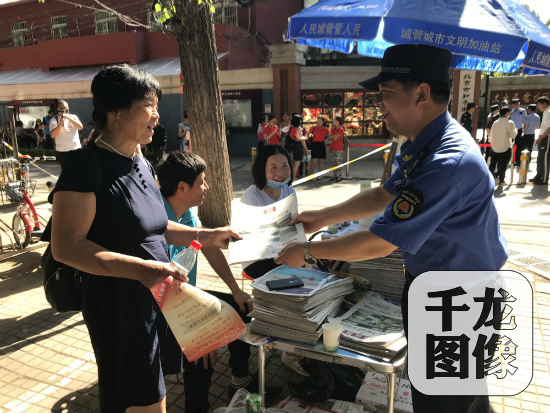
(265, 230)
(200, 322)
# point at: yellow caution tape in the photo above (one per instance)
(32, 163)
(310, 177)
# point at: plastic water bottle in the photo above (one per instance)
(186, 259)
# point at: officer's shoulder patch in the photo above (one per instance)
(407, 203)
(407, 158)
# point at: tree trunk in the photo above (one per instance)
(199, 66)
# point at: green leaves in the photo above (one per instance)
(158, 7)
(212, 9)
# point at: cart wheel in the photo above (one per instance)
(22, 237)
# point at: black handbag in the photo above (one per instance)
(62, 283)
(290, 143)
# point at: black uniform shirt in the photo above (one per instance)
(466, 119)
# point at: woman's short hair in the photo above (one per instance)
(296, 121)
(339, 119)
(258, 171)
(285, 113)
(263, 119)
(176, 167)
(116, 87)
(271, 117)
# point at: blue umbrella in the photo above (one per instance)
(537, 59)
(481, 34)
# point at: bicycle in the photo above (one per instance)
(26, 222)
(8, 174)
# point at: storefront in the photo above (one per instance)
(28, 111)
(361, 118)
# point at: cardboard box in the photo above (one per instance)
(373, 394)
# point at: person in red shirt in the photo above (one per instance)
(261, 126)
(336, 147)
(318, 135)
(271, 131)
(299, 148)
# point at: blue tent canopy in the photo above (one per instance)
(488, 35)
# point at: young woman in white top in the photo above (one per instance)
(272, 182)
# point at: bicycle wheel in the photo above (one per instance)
(22, 237)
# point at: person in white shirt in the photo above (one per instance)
(541, 178)
(64, 131)
(272, 183)
(502, 133)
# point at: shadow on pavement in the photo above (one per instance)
(20, 273)
(19, 332)
(86, 399)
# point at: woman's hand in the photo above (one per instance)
(218, 237)
(243, 300)
(154, 272)
(213, 356)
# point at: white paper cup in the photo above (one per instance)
(331, 336)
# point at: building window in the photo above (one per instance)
(226, 14)
(105, 22)
(151, 23)
(19, 32)
(361, 117)
(59, 27)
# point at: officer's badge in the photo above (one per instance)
(407, 158)
(406, 204)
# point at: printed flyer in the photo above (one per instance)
(265, 230)
(200, 322)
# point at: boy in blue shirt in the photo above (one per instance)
(181, 176)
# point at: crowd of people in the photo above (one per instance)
(511, 130)
(123, 235)
(299, 142)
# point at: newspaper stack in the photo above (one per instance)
(297, 314)
(385, 274)
(373, 326)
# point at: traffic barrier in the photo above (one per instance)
(524, 160)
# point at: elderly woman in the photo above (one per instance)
(119, 241)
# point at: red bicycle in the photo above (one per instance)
(26, 222)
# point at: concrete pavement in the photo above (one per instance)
(46, 360)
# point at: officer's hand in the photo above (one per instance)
(292, 254)
(311, 220)
(539, 140)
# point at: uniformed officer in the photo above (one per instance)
(530, 124)
(438, 205)
(466, 118)
(518, 115)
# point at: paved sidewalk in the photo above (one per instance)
(47, 363)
